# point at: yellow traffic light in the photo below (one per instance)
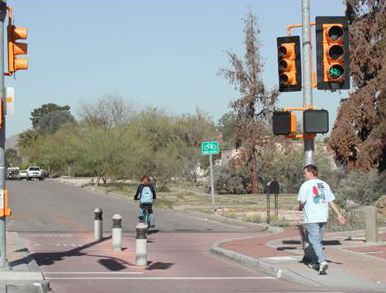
(332, 53)
(15, 48)
(289, 65)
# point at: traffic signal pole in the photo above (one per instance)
(3, 252)
(309, 148)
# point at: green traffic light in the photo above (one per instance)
(335, 71)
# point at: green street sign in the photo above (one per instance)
(210, 148)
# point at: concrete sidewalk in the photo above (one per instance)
(23, 274)
(353, 263)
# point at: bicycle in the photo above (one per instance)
(146, 217)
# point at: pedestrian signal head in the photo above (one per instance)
(283, 122)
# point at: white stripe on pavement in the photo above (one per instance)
(91, 273)
(161, 278)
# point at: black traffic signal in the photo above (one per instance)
(283, 123)
(289, 64)
(332, 53)
(315, 121)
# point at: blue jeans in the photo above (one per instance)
(315, 233)
(150, 210)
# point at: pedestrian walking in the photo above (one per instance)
(315, 197)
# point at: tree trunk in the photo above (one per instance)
(253, 174)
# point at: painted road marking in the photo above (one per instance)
(91, 273)
(162, 278)
(281, 258)
(52, 235)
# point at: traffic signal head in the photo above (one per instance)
(283, 123)
(15, 48)
(315, 121)
(289, 64)
(332, 53)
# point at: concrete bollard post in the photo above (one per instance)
(371, 231)
(141, 245)
(98, 224)
(117, 232)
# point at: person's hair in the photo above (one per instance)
(145, 179)
(312, 168)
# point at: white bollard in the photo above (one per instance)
(117, 232)
(141, 245)
(98, 224)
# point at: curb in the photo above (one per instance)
(281, 272)
(262, 266)
(25, 276)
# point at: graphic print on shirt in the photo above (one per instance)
(318, 193)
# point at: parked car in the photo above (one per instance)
(13, 173)
(34, 172)
(23, 174)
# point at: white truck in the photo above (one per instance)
(34, 172)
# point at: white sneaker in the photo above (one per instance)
(323, 268)
(313, 266)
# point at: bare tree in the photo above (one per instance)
(255, 105)
(359, 134)
(109, 111)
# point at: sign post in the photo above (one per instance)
(210, 148)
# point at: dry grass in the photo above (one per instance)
(243, 207)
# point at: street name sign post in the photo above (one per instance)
(210, 148)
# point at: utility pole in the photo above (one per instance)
(309, 148)
(3, 252)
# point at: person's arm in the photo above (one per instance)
(137, 193)
(302, 197)
(153, 191)
(341, 219)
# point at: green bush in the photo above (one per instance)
(228, 182)
(361, 187)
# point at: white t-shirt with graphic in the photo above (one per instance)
(316, 194)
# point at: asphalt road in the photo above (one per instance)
(56, 222)
(49, 206)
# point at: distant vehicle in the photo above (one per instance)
(34, 172)
(23, 174)
(13, 173)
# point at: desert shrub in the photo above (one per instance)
(361, 187)
(228, 182)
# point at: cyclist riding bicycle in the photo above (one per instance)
(145, 194)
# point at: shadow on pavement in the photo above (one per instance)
(331, 242)
(49, 258)
(112, 264)
(286, 248)
(159, 265)
(291, 242)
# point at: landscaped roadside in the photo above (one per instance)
(247, 208)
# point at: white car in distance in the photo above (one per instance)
(34, 172)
